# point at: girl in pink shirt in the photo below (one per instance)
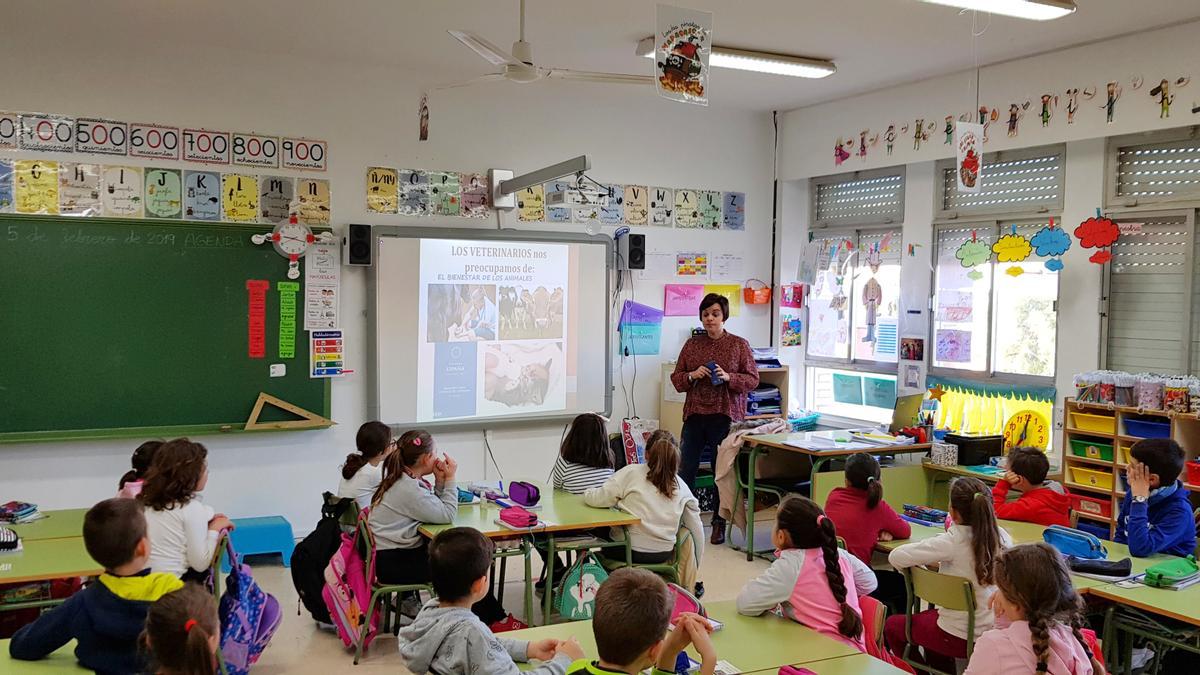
(1038, 619)
(812, 581)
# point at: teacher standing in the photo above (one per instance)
(716, 370)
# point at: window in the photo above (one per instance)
(1167, 170)
(1149, 320)
(852, 394)
(860, 198)
(996, 318)
(1017, 181)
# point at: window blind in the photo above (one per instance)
(1148, 281)
(1017, 185)
(878, 199)
(1159, 171)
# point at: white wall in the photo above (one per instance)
(807, 137)
(368, 116)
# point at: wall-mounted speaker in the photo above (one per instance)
(631, 252)
(356, 245)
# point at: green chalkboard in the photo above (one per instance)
(123, 328)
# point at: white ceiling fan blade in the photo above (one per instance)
(487, 50)
(605, 78)
(482, 79)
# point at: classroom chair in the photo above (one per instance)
(1130, 624)
(939, 590)
(384, 594)
(265, 534)
(671, 570)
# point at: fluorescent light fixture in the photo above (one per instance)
(1038, 10)
(759, 62)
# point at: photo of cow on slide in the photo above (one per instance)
(527, 313)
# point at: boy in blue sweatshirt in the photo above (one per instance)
(106, 618)
(1156, 515)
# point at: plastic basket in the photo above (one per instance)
(1101, 424)
(806, 421)
(1193, 473)
(1086, 447)
(756, 295)
(1147, 428)
(1092, 478)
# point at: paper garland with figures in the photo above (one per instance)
(972, 253)
(1012, 248)
(1099, 233)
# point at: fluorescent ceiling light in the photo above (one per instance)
(759, 62)
(1038, 10)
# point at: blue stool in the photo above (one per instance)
(266, 534)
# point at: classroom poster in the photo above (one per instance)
(952, 346)
(6, 186)
(256, 318)
(662, 207)
(414, 192)
(275, 199)
(474, 195)
(164, 193)
(445, 193)
(682, 299)
(383, 190)
(694, 265)
(791, 330)
(79, 189)
(683, 42)
(732, 292)
(322, 282)
(122, 193)
(687, 208)
(637, 204)
(287, 318)
(968, 139)
(36, 186)
(733, 210)
(239, 197)
(586, 214)
(201, 195)
(311, 205)
(531, 204)
(614, 212)
(327, 357)
(727, 266)
(557, 214)
(710, 210)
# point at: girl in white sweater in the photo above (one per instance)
(362, 473)
(658, 497)
(183, 531)
(966, 550)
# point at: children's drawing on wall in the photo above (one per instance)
(1049, 103)
(1051, 242)
(921, 132)
(791, 330)
(1165, 98)
(889, 137)
(1014, 118)
(1136, 82)
(862, 144)
(952, 346)
(423, 116)
(1072, 104)
(949, 129)
(872, 293)
(1113, 94)
(840, 153)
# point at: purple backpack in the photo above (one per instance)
(249, 617)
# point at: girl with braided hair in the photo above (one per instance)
(812, 581)
(1044, 616)
(967, 549)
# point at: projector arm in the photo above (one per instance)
(505, 187)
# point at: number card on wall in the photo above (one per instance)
(304, 153)
(255, 150)
(206, 147)
(10, 129)
(153, 141)
(48, 133)
(102, 137)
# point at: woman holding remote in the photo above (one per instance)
(715, 370)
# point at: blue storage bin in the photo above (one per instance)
(1147, 428)
(1101, 531)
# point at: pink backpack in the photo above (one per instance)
(347, 591)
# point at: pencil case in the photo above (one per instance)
(515, 516)
(525, 494)
(1108, 568)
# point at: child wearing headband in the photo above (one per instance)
(968, 549)
(812, 581)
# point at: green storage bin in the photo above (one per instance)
(1092, 449)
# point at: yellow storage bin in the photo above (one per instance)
(1100, 424)
(1090, 477)
(1124, 454)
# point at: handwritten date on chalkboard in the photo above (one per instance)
(79, 236)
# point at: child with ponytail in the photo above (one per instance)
(968, 549)
(1044, 635)
(182, 632)
(863, 518)
(814, 582)
(363, 470)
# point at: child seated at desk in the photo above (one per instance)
(130, 484)
(1042, 501)
(182, 632)
(633, 613)
(447, 637)
(183, 530)
(1039, 619)
(105, 619)
(815, 582)
(1156, 514)
(363, 470)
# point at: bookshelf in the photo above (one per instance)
(670, 406)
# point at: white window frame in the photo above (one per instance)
(941, 213)
(989, 374)
(816, 183)
(1169, 137)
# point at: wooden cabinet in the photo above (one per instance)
(670, 406)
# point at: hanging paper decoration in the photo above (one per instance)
(1165, 98)
(1098, 233)
(949, 129)
(862, 144)
(1051, 242)
(683, 44)
(1049, 103)
(1012, 247)
(423, 118)
(970, 156)
(1072, 104)
(921, 133)
(889, 137)
(1110, 103)
(1014, 117)
(973, 253)
(840, 153)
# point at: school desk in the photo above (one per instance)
(856, 664)
(47, 559)
(62, 660)
(61, 524)
(814, 444)
(561, 512)
(936, 473)
(748, 642)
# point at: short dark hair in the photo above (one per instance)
(112, 530)
(1162, 456)
(458, 557)
(715, 299)
(633, 611)
(1029, 463)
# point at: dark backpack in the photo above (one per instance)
(311, 556)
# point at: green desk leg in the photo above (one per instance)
(527, 547)
(750, 502)
(628, 546)
(548, 590)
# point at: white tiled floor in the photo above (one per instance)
(300, 647)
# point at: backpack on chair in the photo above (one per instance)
(577, 592)
(249, 617)
(347, 591)
(312, 554)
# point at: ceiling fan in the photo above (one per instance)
(518, 66)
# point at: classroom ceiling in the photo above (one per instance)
(876, 43)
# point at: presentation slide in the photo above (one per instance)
(489, 329)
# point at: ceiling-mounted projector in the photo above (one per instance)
(585, 195)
